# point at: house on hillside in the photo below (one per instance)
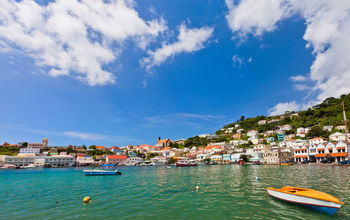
(237, 136)
(116, 150)
(286, 127)
(261, 122)
(337, 136)
(252, 133)
(163, 143)
(328, 128)
(103, 148)
(117, 159)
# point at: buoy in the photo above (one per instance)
(86, 199)
(257, 178)
(197, 187)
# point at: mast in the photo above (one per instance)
(345, 122)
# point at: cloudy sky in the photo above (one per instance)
(125, 72)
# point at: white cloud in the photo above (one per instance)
(188, 40)
(298, 78)
(281, 108)
(240, 61)
(327, 32)
(237, 61)
(76, 37)
(255, 17)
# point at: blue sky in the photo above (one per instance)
(172, 69)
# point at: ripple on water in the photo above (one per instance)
(225, 192)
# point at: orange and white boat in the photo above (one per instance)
(314, 199)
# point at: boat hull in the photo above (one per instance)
(316, 204)
(185, 165)
(101, 173)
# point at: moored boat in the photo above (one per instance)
(101, 172)
(286, 164)
(184, 163)
(314, 199)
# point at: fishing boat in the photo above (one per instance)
(286, 164)
(106, 170)
(317, 200)
(185, 163)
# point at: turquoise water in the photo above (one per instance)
(226, 192)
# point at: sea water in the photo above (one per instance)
(225, 192)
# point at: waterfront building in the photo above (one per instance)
(84, 160)
(334, 152)
(301, 153)
(277, 157)
(117, 159)
(202, 156)
(53, 161)
(28, 150)
(134, 160)
(226, 158)
(216, 158)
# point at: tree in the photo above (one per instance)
(242, 118)
(317, 131)
(24, 144)
(92, 147)
(244, 157)
(83, 146)
(207, 160)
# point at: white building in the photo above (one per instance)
(85, 160)
(53, 161)
(337, 136)
(262, 122)
(316, 141)
(286, 127)
(252, 133)
(328, 128)
(28, 150)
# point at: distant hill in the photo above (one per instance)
(328, 113)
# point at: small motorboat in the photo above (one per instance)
(317, 200)
(106, 170)
(184, 163)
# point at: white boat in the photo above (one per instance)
(101, 172)
(317, 200)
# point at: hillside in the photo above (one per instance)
(328, 113)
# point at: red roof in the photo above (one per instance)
(213, 146)
(115, 147)
(100, 147)
(117, 157)
(144, 145)
(165, 148)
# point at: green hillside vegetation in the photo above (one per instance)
(329, 112)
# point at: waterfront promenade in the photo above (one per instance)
(225, 192)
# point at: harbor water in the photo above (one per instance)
(223, 192)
